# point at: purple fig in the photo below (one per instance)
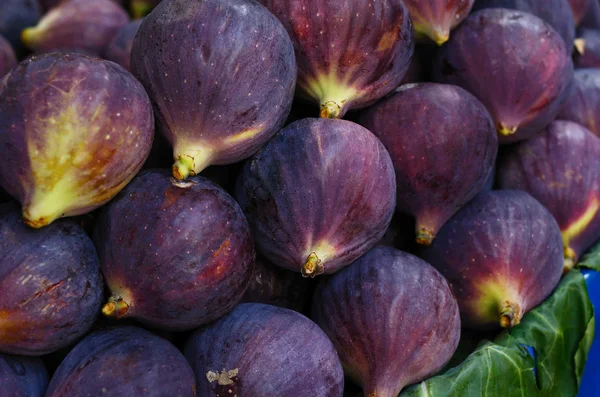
(588, 49)
(591, 19)
(516, 64)
(560, 168)
(349, 55)
(583, 104)
(436, 18)
(123, 362)
(191, 236)
(221, 75)
(391, 317)
(73, 132)
(260, 350)
(434, 121)
(50, 284)
(23, 376)
(579, 8)
(16, 15)
(502, 256)
(119, 49)
(319, 195)
(8, 60)
(89, 25)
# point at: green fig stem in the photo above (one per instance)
(425, 236)
(510, 315)
(313, 266)
(330, 110)
(28, 36)
(570, 260)
(505, 130)
(115, 307)
(140, 9)
(580, 46)
(440, 37)
(183, 167)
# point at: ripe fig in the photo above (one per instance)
(349, 55)
(8, 60)
(588, 49)
(260, 350)
(16, 15)
(123, 362)
(221, 75)
(22, 376)
(119, 49)
(319, 195)
(560, 168)
(516, 64)
(501, 255)
(436, 18)
(191, 236)
(579, 8)
(391, 317)
(89, 25)
(50, 284)
(583, 104)
(73, 132)
(441, 122)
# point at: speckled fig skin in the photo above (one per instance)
(8, 59)
(73, 132)
(588, 49)
(320, 194)
(434, 121)
(516, 64)
(579, 8)
(119, 49)
(221, 75)
(22, 376)
(583, 104)
(560, 168)
(50, 284)
(85, 24)
(349, 54)
(123, 362)
(16, 15)
(191, 236)
(502, 255)
(391, 317)
(261, 350)
(436, 18)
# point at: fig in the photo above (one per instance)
(591, 19)
(436, 18)
(391, 317)
(221, 75)
(349, 55)
(16, 15)
(261, 350)
(579, 8)
(319, 195)
(561, 169)
(23, 376)
(191, 236)
(119, 49)
(74, 131)
(123, 362)
(588, 49)
(516, 64)
(50, 284)
(8, 59)
(583, 104)
(502, 256)
(441, 122)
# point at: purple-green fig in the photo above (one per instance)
(50, 284)
(579, 8)
(119, 49)
(583, 104)
(501, 254)
(516, 64)
(320, 194)
(349, 54)
(190, 236)
(16, 15)
(8, 60)
(588, 49)
(74, 131)
(428, 121)
(436, 18)
(221, 75)
(261, 350)
(22, 376)
(560, 168)
(89, 25)
(392, 319)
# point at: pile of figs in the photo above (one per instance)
(264, 198)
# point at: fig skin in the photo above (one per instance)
(560, 168)
(119, 49)
(221, 89)
(516, 64)
(260, 350)
(8, 60)
(16, 15)
(579, 8)
(123, 362)
(191, 236)
(436, 18)
(588, 49)
(50, 285)
(583, 104)
(22, 376)
(348, 56)
(391, 317)
(85, 24)
(73, 132)
(306, 213)
(501, 255)
(441, 122)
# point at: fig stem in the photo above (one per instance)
(440, 37)
(28, 36)
(570, 259)
(580, 46)
(140, 10)
(425, 236)
(509, 316)
(505, 130)
(115, 307)
(183, 167)
(330, 110)
(313, 266)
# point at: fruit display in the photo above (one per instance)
(436, 18)
(583, 104)
(23, 376)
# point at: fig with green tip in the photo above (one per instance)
(436, 18)
(583, 104)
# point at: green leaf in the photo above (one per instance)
(560, 330)
(591, 259)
